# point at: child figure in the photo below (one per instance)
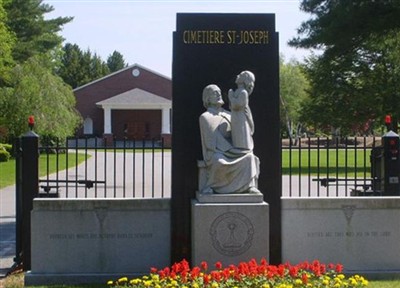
(241, 118)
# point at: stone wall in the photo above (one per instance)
(362, 233)
(95, 240)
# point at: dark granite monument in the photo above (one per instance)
(214, 48)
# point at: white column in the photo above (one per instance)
(107, 120)
(165, 121)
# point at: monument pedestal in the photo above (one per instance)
(230, 231)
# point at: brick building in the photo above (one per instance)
(134, 102)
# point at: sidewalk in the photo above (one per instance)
(7, 229)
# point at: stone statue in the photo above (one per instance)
(229, 169)
(241, 118)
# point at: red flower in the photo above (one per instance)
(206, 279)
(322, 269)
(339, 268)
(166, 271)
(195, 272)
(153, 270)
(293, 271)
(304, 278)
(176, 267)
(264, 262)
(226, 273)
(281, 270)
(185, 265)
(216, 276)
(218, 265)
(204, 265)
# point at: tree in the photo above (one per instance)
(71, 66)
(78, 68)
(7, 40)
(115, 61)
(293, 91)
(97, 67)
(341, 26)
(354, 81)
(36, 91)
(34, 34)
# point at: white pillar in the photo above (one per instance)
(165, 121)
(107, 121)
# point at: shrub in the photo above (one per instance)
(7, 147)
(4, 155)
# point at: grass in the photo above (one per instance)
(332, 162)
(7, 169)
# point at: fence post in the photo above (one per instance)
(18, 201)
(30, 190)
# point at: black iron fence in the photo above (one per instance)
(325, 167)
(93, 168)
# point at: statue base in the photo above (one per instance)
(229, 231)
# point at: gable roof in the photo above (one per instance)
(119, 71)
(135, 99)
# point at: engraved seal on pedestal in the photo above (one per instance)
(232, 233)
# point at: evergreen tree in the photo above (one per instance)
(71, 67)
(79, 68)
(34, 34)
(115, 61)
(97, 67)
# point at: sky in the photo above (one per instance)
(141, 30)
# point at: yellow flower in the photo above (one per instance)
(148, 283)
(266, 286)
(110, 282)
(298, 282)
(123, 279)
(135, 281)
(214, 285)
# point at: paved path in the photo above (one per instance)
(7, 229)
(123, 173)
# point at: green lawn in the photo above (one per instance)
(308, 161)
(384, 284)
(7, 169)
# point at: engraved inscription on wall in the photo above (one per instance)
(348, 234)
(93, 236)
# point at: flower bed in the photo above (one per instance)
(246, 274)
